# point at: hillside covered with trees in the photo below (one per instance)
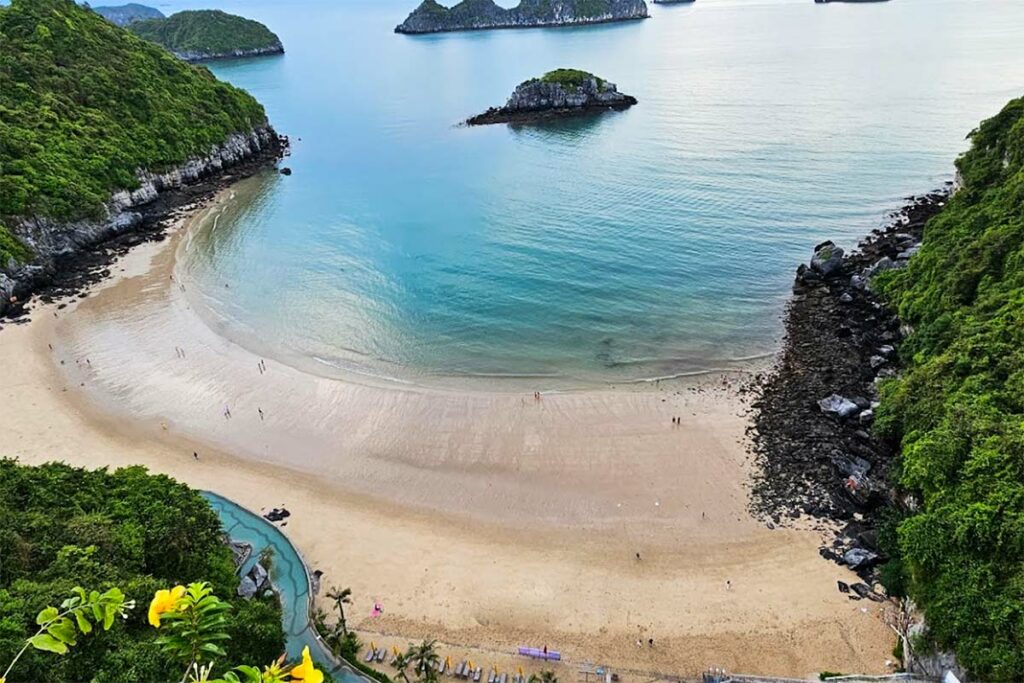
(66, 527)
(85, 104)
(959, 410)
(209, 34)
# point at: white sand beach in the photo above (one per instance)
(486, 519)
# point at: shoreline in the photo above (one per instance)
(473, 518)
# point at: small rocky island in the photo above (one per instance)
(673, 2)
(471, 15)
(556, 94)
(199, 35)
(122, 15)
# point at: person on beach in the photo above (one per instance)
(261, 413)
(195, 455)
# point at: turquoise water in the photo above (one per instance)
(648, 243)
(288, 575)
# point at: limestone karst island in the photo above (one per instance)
(470, 15)
(706, 367)
(556, 94)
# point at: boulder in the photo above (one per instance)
(838, 405)
(827, 259)
(857, 558)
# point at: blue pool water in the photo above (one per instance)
(288, 574)
(657, 241)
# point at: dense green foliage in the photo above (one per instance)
(84, 104)
(11, 248)
(959, 409)
(65, 527)
(569, 78)
(206, 32)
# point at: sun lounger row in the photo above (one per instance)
(465, 670)
(375, 655)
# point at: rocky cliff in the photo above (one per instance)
(53, 244)
(430, 17)
(565, 92)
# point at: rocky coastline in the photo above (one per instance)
(818, 457)
(67, 257)
(192, 57)
(475, 15)
(543, 98)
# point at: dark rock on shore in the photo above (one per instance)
(565, 92)
(811, 432)
(67, 258)
(472, 15)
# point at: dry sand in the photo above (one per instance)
(485, 519)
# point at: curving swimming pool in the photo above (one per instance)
(290, 580)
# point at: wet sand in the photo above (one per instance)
(485, 519)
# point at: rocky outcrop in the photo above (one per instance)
(470, 15)
(818, 457)
(276, 49)
(55, 245)
(547, 97)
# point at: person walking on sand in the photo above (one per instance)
(195, 455)
(261, 413)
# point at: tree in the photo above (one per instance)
(401, 664)
(424, 660)
(546, 676)
(341, 597)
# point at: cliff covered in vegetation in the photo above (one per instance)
(958, 410)
(209, 34)
(95, 122)
(468, 15)
(65, 527)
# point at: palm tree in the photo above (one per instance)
(424, 660)
(341, 597)
(401, 663)
(545, 677)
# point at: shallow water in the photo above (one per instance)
(648, 243)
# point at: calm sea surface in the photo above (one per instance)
(642, 244)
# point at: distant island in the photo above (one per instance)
(122, 15)
(822, 2)
(672, 2)
(559, 93)
(471, 15)
(199, 35)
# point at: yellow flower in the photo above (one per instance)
(306, 672)
(164, 601)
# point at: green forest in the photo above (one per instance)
(959, 410)
(84, 104)
(66, 527)
(208, 32)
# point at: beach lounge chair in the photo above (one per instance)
(491, 676)
(370, 654)
(459, 668)
(476, 674)
(381, 654)
(503, 678)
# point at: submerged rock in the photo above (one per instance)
(469, 15)
(564, 92)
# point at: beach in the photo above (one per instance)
(585, 521)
